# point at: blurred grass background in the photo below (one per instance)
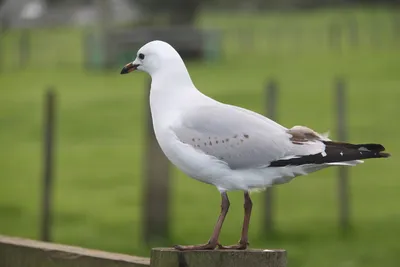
(100, 135)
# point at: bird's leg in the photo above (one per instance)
(213, 242)
(244, 239)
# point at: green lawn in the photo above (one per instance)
(100, 132)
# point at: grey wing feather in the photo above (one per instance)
(239, 137)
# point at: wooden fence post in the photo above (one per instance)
(166, 257)
(271, 93)
(343, 187)
(48, 160)
(156, 183)
(19, 252)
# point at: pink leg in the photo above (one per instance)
(244, 240)
(213, 242)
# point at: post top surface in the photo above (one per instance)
(253, 250)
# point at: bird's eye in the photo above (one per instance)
(141, 56)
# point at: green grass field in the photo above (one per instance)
(100, 135)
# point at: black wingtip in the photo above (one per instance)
(336, 152)
(371, 147)
(384, 155)
(367, 147)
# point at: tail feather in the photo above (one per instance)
(337, 153)
(345, 163)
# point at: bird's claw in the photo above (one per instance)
(240, 246)
(208, 246)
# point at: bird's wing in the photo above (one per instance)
(241, 138)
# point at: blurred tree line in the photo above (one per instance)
(298, 4)
(178, 12)
(159, 4)
(183, 12)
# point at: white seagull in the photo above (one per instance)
(227, 146)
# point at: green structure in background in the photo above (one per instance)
(94, 51)
(108, 50)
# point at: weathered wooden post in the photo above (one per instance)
(343, 187)
(271, 93)
(165, 257)
(157, 181)
(48, 160)
(20, 252)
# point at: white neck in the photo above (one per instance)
(171, 90)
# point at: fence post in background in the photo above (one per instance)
(156, 183)
(48, 161)
(343, 187)
(271, 92)
(24, 49)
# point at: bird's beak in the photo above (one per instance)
(129, 68)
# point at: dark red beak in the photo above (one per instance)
(129, 68)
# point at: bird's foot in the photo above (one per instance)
(240, 246)
(208, 246)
